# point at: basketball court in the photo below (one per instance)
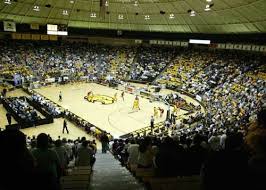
(117, 118)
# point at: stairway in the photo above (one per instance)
(108, 174)
(133, 65)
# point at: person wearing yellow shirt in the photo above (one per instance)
(136, 104)
(90, 96)
(155, 112)
(115, 97)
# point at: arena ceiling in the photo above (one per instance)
(185, 16)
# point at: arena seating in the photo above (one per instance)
(193, 159)
(150, 62)
(230, 84)
(220, 78)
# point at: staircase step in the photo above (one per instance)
(108, 174)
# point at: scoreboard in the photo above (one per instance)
(54, 29)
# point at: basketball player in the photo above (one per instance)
(155, 112)
(90, 97)
(115, 97)
(161, 111)
(175, 109)
(122, 95)
(136, 104)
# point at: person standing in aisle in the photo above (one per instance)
(60, 96)
(9, 118)
(152, 124)
(65, 126)
(105, 142)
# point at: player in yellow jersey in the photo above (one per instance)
(136, 104)
(115, 97)
(175, 109)
(90, 96)
(123, 95)
(155, 112)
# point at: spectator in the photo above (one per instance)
(145, 157)
(133, 152)
(105, 142)
(85, 155)
(62, 155)
(169, 160)
(48, 168)
(17, 164)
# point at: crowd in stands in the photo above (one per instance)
(38, 61)
(22, 108)
(175, 99)
(226, 158)
(150, 61)
(41, 60)
(85, 125)
(52, 109)
(230, 83)
(38, 163)
(227, 81)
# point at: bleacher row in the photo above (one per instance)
(148, 177)
(77, 178)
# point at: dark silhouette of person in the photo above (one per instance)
(60, 96)
(48, 169)
(152, 124)
(105, 142)
(16, 161)
(9, 118)
(4, 92)
(65, 127)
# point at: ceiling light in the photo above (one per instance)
(36, 8)
(106, 3)
(192, 13)
(171, 16)
(71, 1)
(207, 8)
(93, 15)
(147, 17)
(8, 2)
(65, 12)
(209, 1)
(120, 17)
(136, 3)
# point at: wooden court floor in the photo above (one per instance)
(117, 118)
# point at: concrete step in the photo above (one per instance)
(108, 174)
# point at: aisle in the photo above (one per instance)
(108, 174)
